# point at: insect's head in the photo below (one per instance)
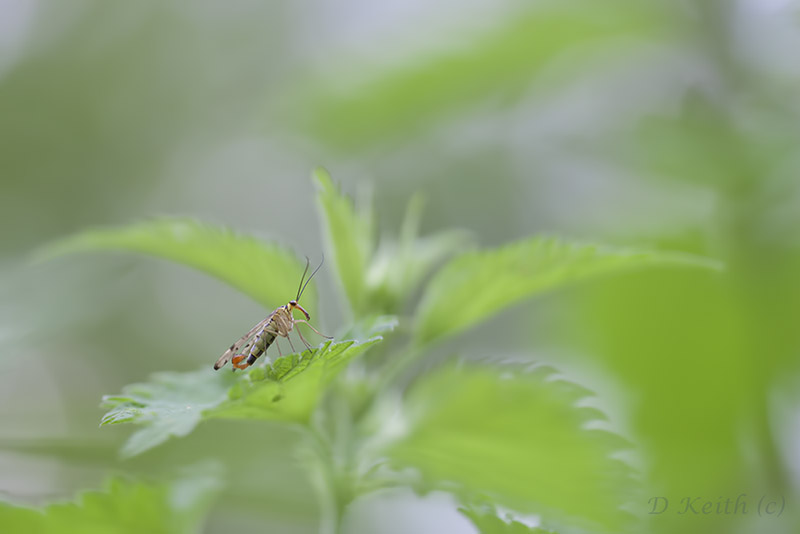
(293, 304)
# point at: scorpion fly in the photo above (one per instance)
(278, 323)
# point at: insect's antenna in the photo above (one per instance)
(301, 287)
(310, 277)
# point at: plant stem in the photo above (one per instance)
(323, 477)
(333, 460)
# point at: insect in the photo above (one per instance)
(278, 323)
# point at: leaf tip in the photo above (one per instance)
(322, 177)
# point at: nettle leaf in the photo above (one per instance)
(125, 507)
(370, 326)
(476, 285)
(172, 404)
(487, 521)
(289, 389)
(403, 99)
(517, 437)
(169, 405)
(349, 236)
(263, 271)
(399, 266)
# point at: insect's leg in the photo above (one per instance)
(312, 328)
(306, 343)
(280, 352)
(290, 343)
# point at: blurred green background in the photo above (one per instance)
(671, 124)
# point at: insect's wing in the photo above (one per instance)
(240, 343)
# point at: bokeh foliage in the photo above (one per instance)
(644, 123)
(482, 437)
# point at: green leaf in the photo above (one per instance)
(517, 437)
(370, 326)
(290, 388)
(125, 507)
(487, 521)
(476, 285)
(172, 404)
(20, 519)
(266, 272)
(349, 237)
(399, 266)
(496, 67)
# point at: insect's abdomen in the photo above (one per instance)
(260, 345)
